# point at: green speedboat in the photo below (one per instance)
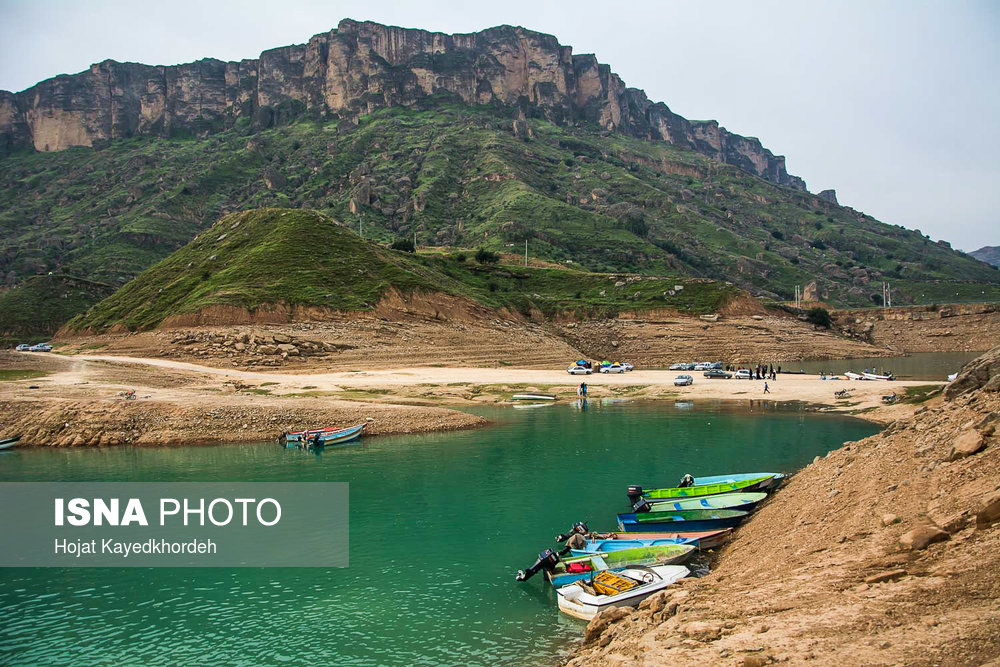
(749, 484)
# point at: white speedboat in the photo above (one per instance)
(873, 376)
(853, 376)
(623, 588)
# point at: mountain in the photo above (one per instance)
(351, 71)
(279, 264)
(465, 141)
(989, 254)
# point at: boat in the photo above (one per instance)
(776, 479)
(583, 567)
(685, 519)
(9, 442)
(951, 378)
(625, 588)
(533, 396)
(854, 376)
(874, 376)
(765, 480)
(321, 437)
(740, 501)
(606, 542)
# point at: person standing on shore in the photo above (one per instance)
(766, 389)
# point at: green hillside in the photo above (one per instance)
(460, 176)
(298, 257)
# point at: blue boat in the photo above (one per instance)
(321, 437)
(661, 522)
(607, 546)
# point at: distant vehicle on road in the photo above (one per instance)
(23, 347)
(613, 368)
(716, 373)
(627, 366)
(41, 347)
(743, 374)
(578, 370)
(683, 381)
(703, 366)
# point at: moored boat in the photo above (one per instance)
(739, 501)
(533, 396)
(874, 376)
(583, 567)
(763, 481)
(854, 376)
(625, 588)
(683, 519)
(7, 443)
(607, 542)
(321, 437)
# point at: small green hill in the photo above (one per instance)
(299, 257)
(259, 257)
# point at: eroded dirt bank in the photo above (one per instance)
(79, 403)
(884, 552)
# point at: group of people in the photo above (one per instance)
(581, 391)
(759, 372)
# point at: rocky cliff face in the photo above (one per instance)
(353, 70)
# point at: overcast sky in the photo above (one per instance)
(894, 104)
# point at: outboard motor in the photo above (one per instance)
(578, 527)
(686, 480)
(546, 561)
(634, 494)
(640, 506)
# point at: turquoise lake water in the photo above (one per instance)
(918, 366)
(439, 525)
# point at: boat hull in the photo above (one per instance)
(761, 483)
(664, 554)
(738, 501)
(574, 601)
(324, 438)
(705, 539)
(708, 520)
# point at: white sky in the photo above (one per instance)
(895, 104)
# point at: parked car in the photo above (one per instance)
(683, 380)
(678, 367)
(578, 370)
(703, 366)
(627, 366)
(613, 368)
(716, 373)
(743, 374)
(41, 347)
(22, 347)
(716, 365)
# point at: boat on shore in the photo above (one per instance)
(745, 483)
(651, 522)
(607, 542)
(626, 588)
(739, 501)
(874, 376)
(321, 437)
(576, 568)
(533, 396)
(8, 443)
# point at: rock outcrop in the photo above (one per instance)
(353, 70)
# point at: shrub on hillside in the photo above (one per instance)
(819, 317)
(484, 256)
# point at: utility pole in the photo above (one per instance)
(414, 241)
(361, 232)
(526, 252)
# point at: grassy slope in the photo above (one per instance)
(42, 304)
(268, 256)
(456, 175)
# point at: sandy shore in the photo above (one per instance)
(77, 402)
